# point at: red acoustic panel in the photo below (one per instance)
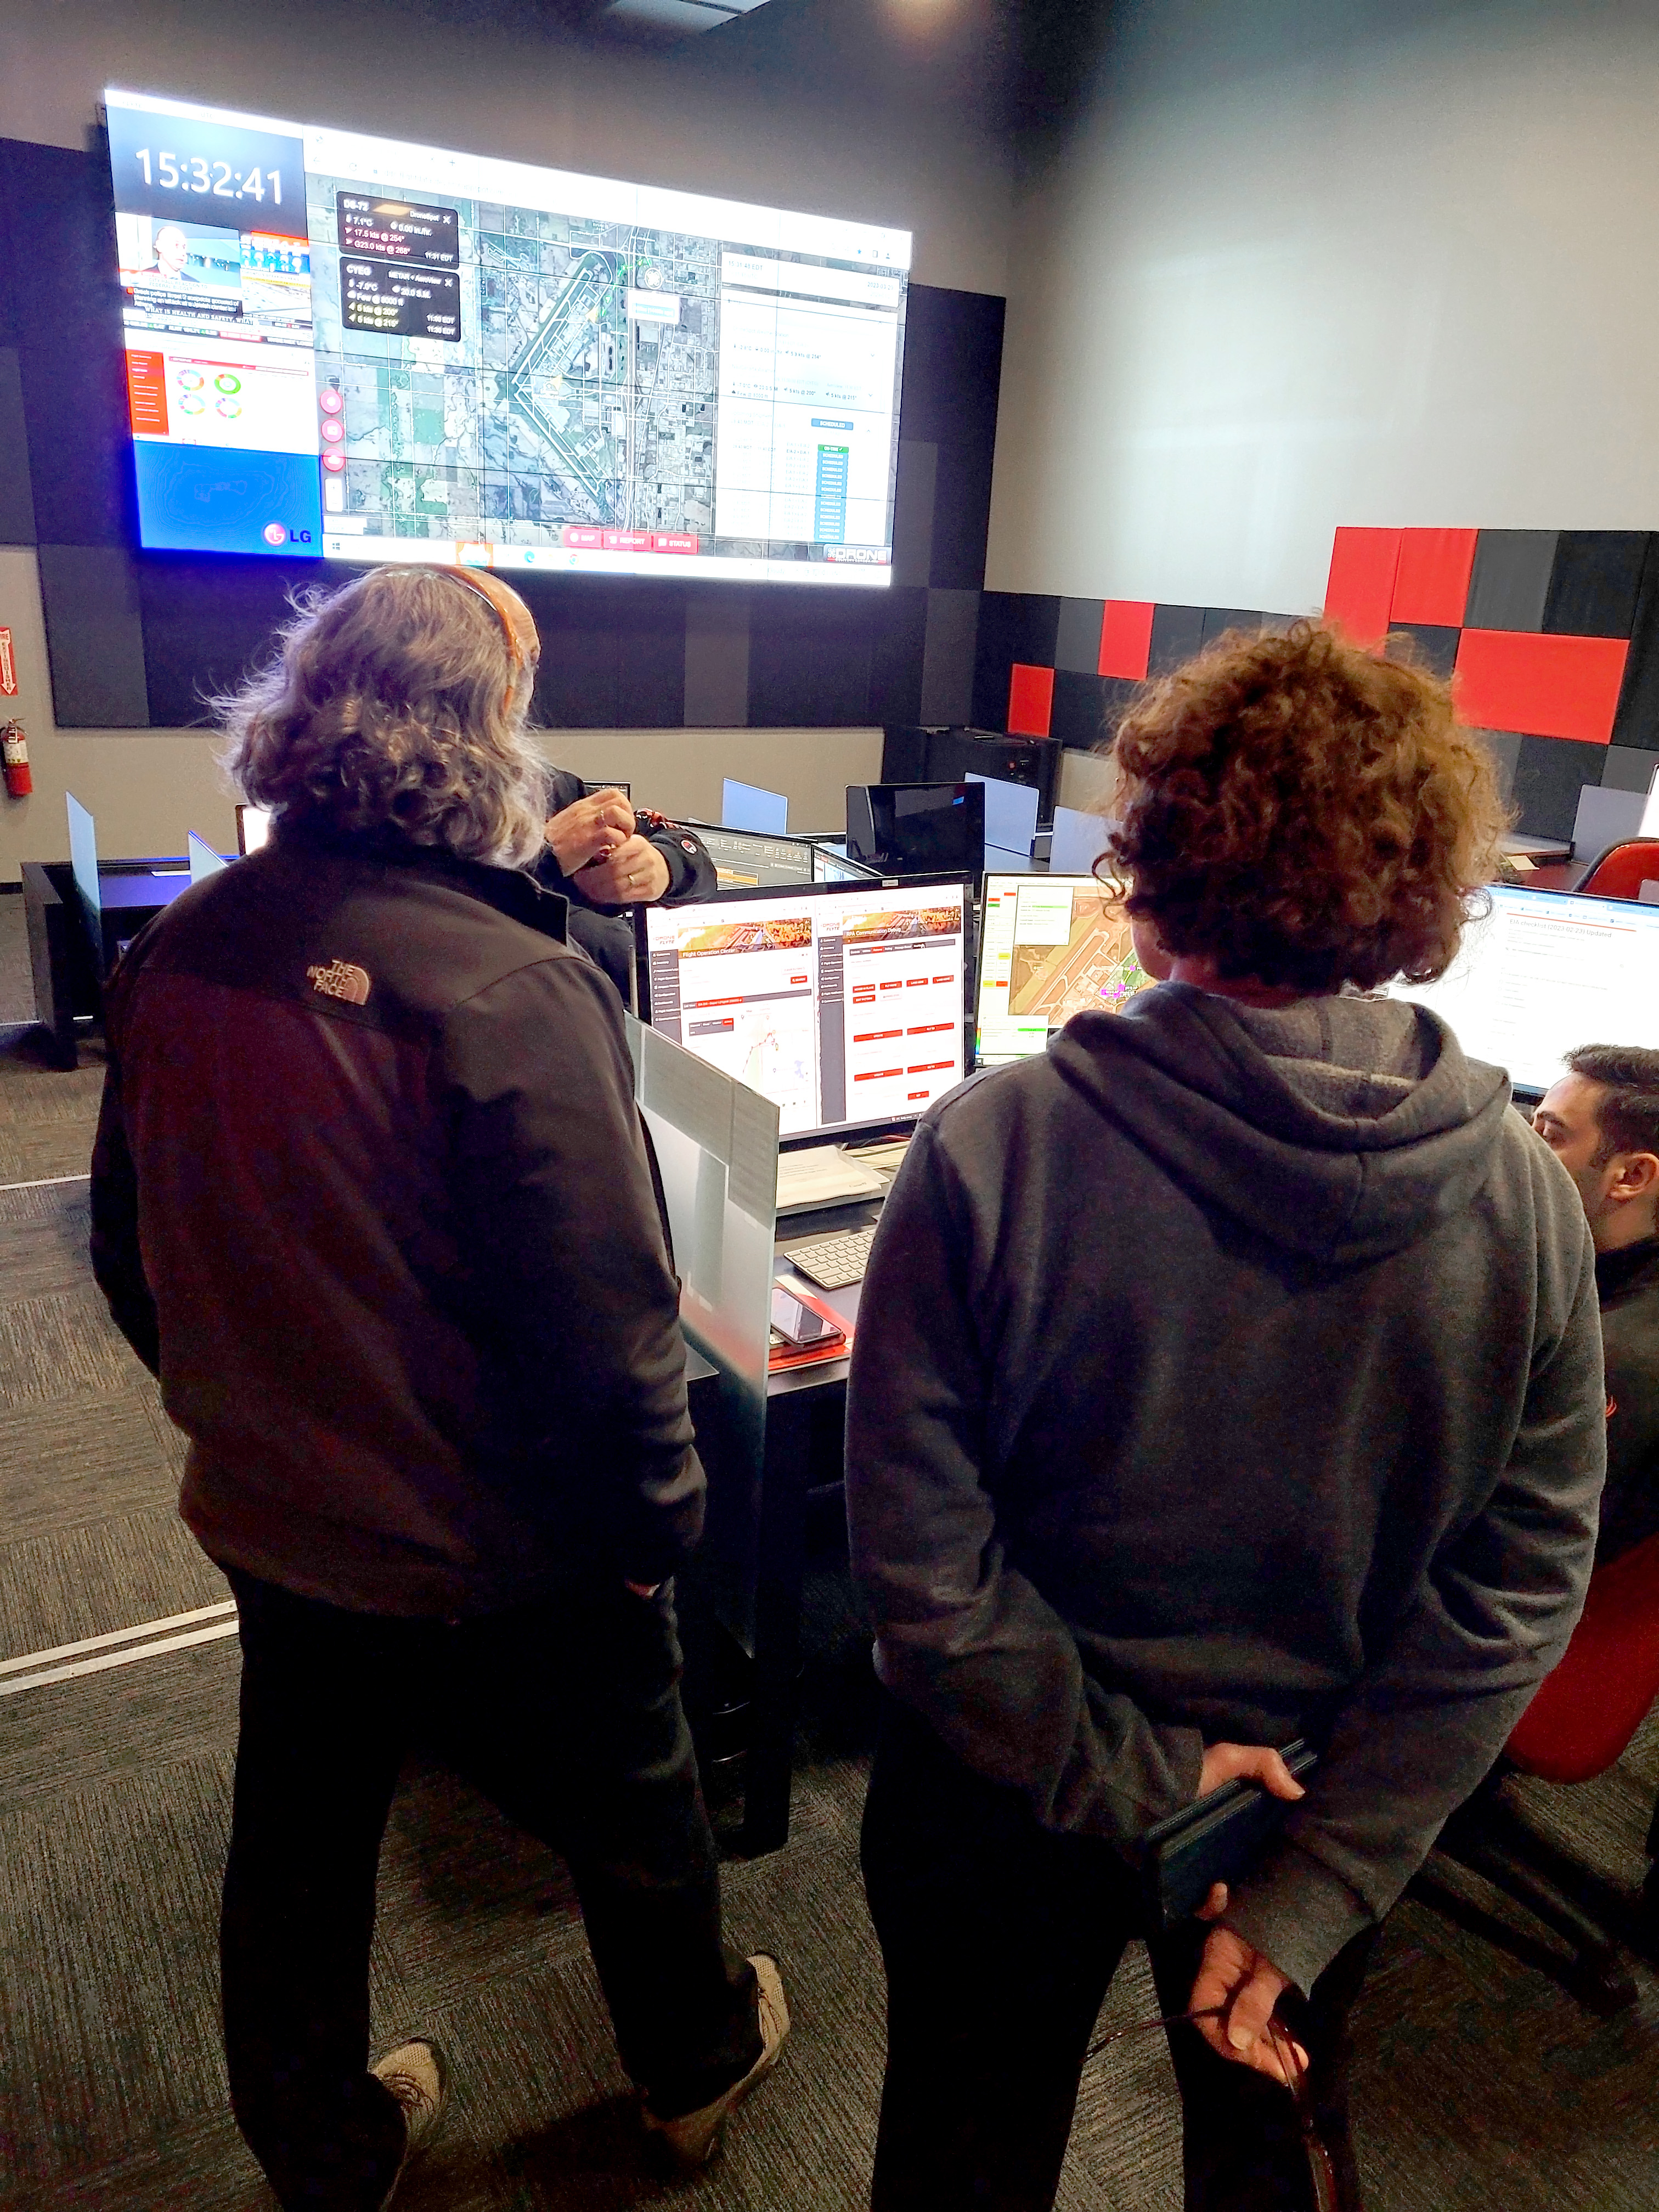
(1547, 687)
(1360, 592)
(1432, 583)
(1030, 701)
(1126, 638)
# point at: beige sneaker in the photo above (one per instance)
(693, 2139)
(418, 2078)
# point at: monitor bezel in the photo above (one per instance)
(914, 783)
(954, 878)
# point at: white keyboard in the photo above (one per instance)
(837, 1263)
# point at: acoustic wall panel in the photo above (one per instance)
(1077, 639)
(16, 495)
(1636, 724)
(947, 667)
(1594, 582)
(1434, 648)
(1218, 620)
(1510, 579)
(898, 648)
(1030, 701)
(1431, 578)
(1177, 633)
(1553, 687)
(915, 487)
(1549, 775)
(1126, 638)
(1087, 708)
(1625, 768)
(1022, 626)
(1359, 592)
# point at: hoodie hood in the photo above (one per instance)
(1341, 1129)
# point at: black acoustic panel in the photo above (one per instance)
(947, 665)
(1637, 723)
(899, 650)
(1628, 770)
(1504, 748)
(810, 655)
(1177, 635)
(914, 488)
(962, 517)
(1434, 646)
(651, 660)
(1077, 641)
(95, 637)
(1013, 626)
(952, 366)
(1218, 620)
(1594, 583)
(17, 496)
(717, 658)
(58, 237)
(1549, 773)
(209, 622)
(1511, 581)
(1087, 708)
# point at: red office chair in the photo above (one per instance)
(1623, 869)
(1581, 1720)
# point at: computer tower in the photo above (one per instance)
(911, 754)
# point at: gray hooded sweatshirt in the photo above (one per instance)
(1237, 1377)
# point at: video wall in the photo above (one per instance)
(344, 347)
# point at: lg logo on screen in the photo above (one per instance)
(276, 533)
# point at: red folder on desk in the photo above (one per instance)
(812, 1355)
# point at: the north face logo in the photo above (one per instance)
(340, 979)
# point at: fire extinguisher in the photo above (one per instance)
(19, 782)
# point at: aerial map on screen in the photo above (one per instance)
(343, 346)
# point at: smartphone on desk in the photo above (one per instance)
(797, 1323)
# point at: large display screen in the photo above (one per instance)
(1052, 946)
(844, 1007)
(344, 346)
(1543, 972)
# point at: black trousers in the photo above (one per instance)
(567, 1715)
(1000, 1939)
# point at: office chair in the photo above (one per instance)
(1623, 869)
(1580, 1722)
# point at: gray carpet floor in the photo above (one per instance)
(1480, 2084)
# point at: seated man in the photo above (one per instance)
(603, 856)
(1601, 1121)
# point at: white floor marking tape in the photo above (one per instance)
(9, 1689)
(117, 1636)
(44, 1184)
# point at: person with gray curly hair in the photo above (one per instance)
(372, 1198)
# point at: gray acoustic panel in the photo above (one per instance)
(95, 637)
(1434, 646)
(1505, 749)
(1628, 768)
(1218, 620)
(1177, 635)
(1076, 641)
(947, 660)
(717, 658)
(1511, 581)
(1549, 775)
(914, 492)
(16, 495)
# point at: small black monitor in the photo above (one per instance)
(917, 828)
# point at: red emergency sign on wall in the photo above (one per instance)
(8, 667)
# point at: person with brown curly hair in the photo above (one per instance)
(1238, 1380)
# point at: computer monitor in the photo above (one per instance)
(204, 861)
(614, 784)
(84, 867)
(843, 1005)
(1078, 841)
(1010, 821)
(252, 829)
(745, 861)
(917, 828)
(1543, 972)
(1051, 946)
(747, 807)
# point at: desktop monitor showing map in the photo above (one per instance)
(842, 1006)
(1543, 972)
(349, 347)
(1051, 946)
(917, 828)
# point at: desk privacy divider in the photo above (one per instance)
(716, 1143)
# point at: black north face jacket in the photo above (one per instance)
(371, 1195)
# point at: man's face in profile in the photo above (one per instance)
(1566, 1120)
(171, 249)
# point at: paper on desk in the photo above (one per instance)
(823, 1176)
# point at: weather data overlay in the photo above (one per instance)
(346, 347)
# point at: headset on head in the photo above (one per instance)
(524, 647)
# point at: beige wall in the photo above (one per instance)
(1296, 265)
(147, 787)
(854, 111)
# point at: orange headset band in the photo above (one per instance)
(524, 647)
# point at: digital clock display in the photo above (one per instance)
(198, 174)
(163, 164)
